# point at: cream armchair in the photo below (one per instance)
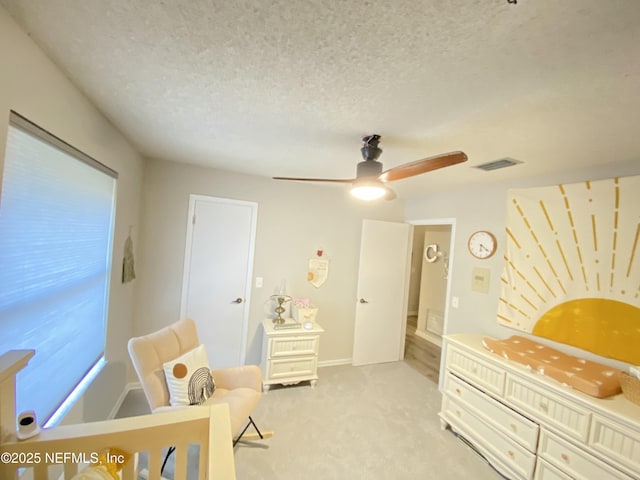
(239, 387)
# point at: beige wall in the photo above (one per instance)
(33, 86)
(417, 261)
(416, 270)
(484, 208)
(433, 282)
(294, 220)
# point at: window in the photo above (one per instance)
(56, 228)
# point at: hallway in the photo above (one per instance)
(421, 354)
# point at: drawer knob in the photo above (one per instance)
(458, 391)
(544, 407)
(458, 412)
(565, 457)
(511, 453)
(514, 427)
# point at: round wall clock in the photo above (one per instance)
(482, 244)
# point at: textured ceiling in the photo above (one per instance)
(286, 87)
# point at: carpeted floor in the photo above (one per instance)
(372, 422)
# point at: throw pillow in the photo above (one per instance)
(189, 378)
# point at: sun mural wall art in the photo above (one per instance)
(572, 265)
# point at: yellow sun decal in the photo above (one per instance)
(572, 265)
(608, 327)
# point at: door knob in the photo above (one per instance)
(362, 300)
(237, 300)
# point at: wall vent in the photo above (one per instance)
(497, 164)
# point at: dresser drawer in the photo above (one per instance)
(553, 410)
(546, 471)
(473, 368)
(489, 441)
(303, 367)
(502, 418)
(293, 345)
(576, 463)
(618, 442)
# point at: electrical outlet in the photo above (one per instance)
(258, 282)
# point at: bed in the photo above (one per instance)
(62, 452)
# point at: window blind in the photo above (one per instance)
(56, 228)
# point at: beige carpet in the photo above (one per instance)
(373, 422)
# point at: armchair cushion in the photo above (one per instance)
(189, 378)
(244, 376)
(149, 352)
(242, 401)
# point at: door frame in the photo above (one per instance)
(193, 198)
(447, 304)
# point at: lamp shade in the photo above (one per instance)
(368, 189)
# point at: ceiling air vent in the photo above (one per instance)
(497, 164)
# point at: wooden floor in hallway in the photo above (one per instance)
(421, 354)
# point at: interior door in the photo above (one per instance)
(382, 293)
(217, 275)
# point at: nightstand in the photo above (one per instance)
(289, 355)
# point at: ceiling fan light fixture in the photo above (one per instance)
(371, 181)
(368, 189)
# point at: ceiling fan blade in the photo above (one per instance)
(334, 180)
(422, 166)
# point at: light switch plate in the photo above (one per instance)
(455, 302)
(480, 279)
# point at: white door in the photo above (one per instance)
(382, 293)
(217, 275)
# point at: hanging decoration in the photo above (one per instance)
(318, 269)
(128, 267)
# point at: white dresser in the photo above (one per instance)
(289, 355)
(532, 427)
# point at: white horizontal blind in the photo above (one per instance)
(56, 225)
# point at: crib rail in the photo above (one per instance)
(61, 448)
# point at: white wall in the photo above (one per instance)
(484, 208)
(33, 86)
(294, 220)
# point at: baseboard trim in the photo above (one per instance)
(429, 337)
(127, 388)
(335, 363)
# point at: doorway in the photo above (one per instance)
(428, 299)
